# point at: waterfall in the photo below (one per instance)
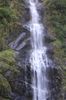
(38, 58)
(40, 77)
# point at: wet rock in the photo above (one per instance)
(49, 38)
(50, 51)
(54, 84)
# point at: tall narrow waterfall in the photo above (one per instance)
(38, 59)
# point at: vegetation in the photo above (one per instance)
(11, 13)
(55, 20)
(8, 69)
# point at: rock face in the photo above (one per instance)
(20, 78)
(54, 84)
(21, 84)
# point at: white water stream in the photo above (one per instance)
(38, 59)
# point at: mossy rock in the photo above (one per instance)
(8, 72)
(7, 56)
(5, 88)
(7, 61)
(55, 21)
(1, 98)
(8, 65)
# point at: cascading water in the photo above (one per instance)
(38, 59)
(46, 81)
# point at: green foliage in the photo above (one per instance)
(7, 55)
(8, 16)
(5, 88)
(9, 21)
(55, 19)
(7, 61)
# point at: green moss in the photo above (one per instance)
(7, 56)
(1, 98)
(56, 17)
(10, 12)
(4, 99)
(58, 51)
(55, 20)
(8, 19)
(5, 88)
(8, 71)
(7, 61)
(57, 43)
